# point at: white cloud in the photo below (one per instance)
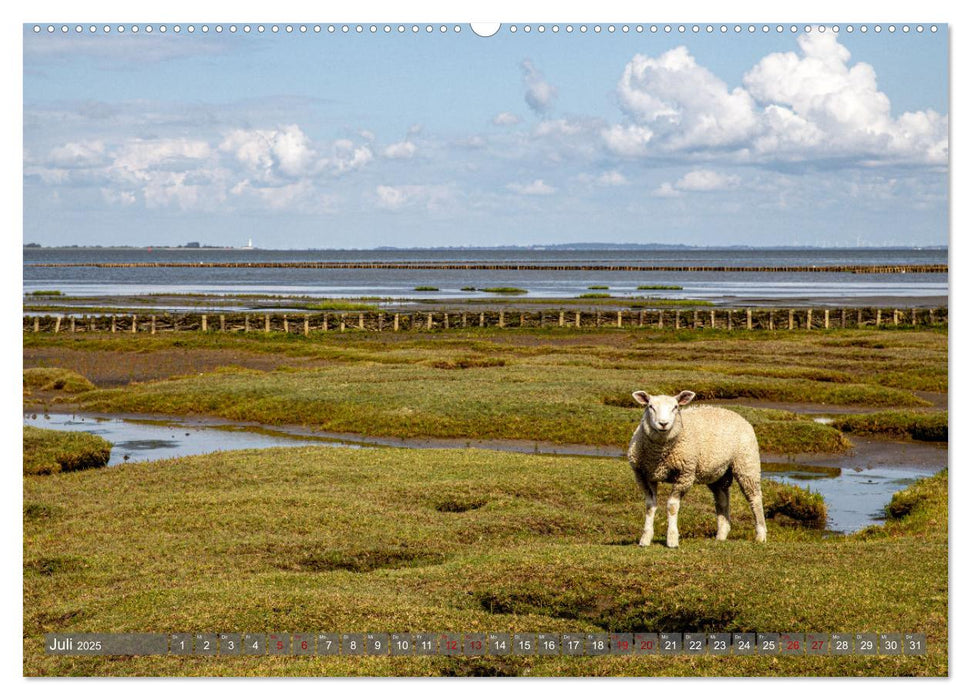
(706, 181)
(78, 154)
(118, 196)
(539, 93)
(536, 187)
(506, 119)
(701, 180)
(137, 156)
(346, 156)
(683, 103)
(432, 198)
(400, 150)
(818, 103)
(608, 178)
(268, 153)
(630, 141)
(666, 190)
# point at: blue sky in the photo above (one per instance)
(360, 140)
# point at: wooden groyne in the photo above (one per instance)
(851, 269)
(377, 321)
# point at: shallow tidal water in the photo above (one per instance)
(856, 486)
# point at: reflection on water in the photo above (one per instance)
(139, 441)
(856, 486)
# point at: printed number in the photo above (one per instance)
(842, 645)
(694, 645)
(816, 645)
(452, 645)
(231, 644)
(328, 643)
(720, 645)
(279, 644)
(549, 645)
(353, 645)
(402, 645)
(476, 645)
(624, 646)
(304, 645)
(792, 645)
(744, 644)
(913, 645)
(426, 645)
(598, 644)
(205, 645)
(377, 645)
(501, 645)
(256, 645)
(669, 644)
(866, 645)
(891, 644)
(768, 645)
(573, 644)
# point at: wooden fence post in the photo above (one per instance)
(57, 324)
(134, 323)
(266, 326)
(430, 321)
(153, 325)
(694, 319)
(641, 317)
(599, 318)
(482, 320)
(896, 320)
(306, 325)
(713, 319)
(396, 323)
(205, 325)
(859, 318)
(502, 319)
(677, 319)
(343, 322)
(842, 318)
(222, 323)
(809, 319)
(878, 317)
(913, 317)
(930, 317)
(578, 319)
(792, 316)
(826, 319)
(286, 324)
(660, 318)
(748, 319)
(72, 324)
(113, 328)
(620, 319)
(562, 319)
(465, 320)
(771, 320)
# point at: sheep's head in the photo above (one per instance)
(662, 414)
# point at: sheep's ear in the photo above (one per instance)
(642, 397)
(685, 397)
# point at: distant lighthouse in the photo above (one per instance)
(249, 245)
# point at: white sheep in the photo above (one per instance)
(701, 444)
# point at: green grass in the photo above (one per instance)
(426, 288)
(594, 295)
(325, 539)
(931, 427)
(553, 385)
(468, 289)
(55, 379)
(54, 451)
(598, 286)
(46, 293)
(503, 290)
(338, 305)
(660, 286)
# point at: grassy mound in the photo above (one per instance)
(55, 379)
(476, 541)
(931, 427)
(54, 451)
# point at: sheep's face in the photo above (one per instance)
(662, 414)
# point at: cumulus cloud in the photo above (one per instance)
(701, 180)
(630, 141)
(268, 153)
(684, 103)
(78, 154)
(137, 156)
(707, 181)
(536, 187)
(431, 198)
(400, 150)
(539, 93)
(346, 156)
(506, 119)
(818, 101)
(792, 106)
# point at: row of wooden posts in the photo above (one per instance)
(729, 319)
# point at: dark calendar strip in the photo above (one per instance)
(489, 644)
